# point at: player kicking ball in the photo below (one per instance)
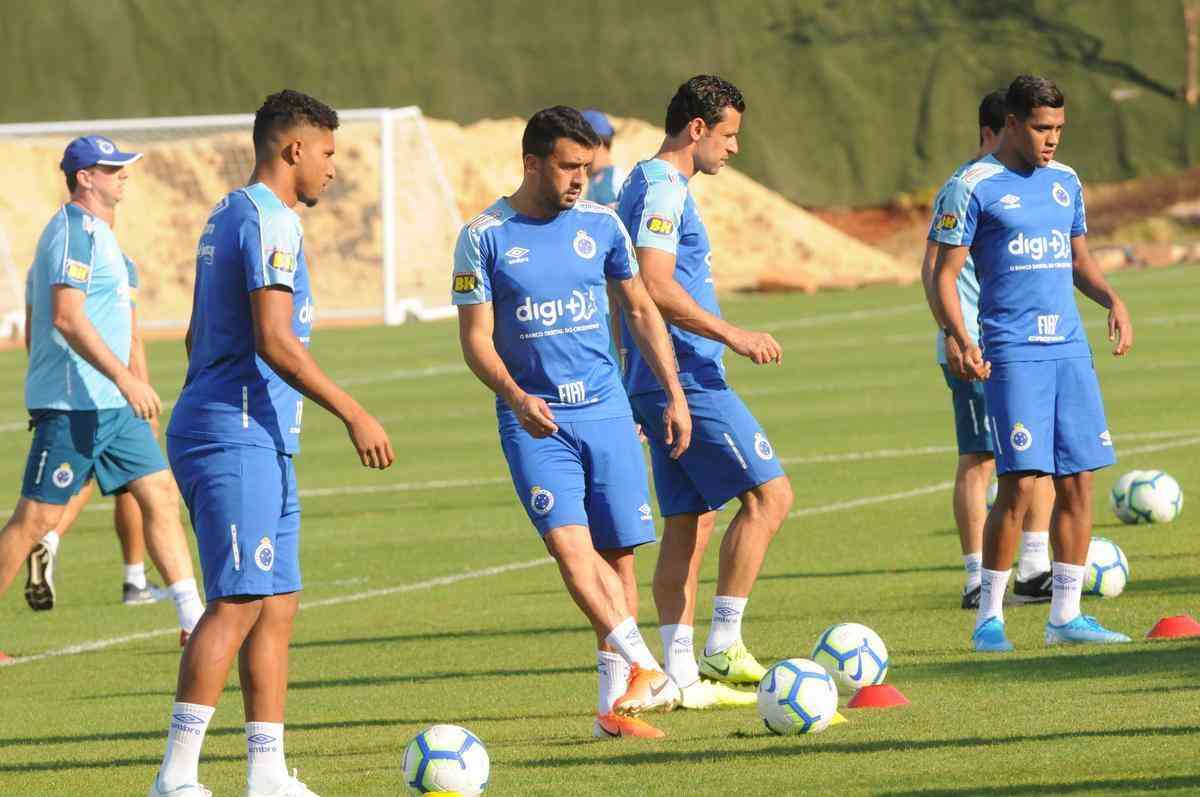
(730, 456)
(531, 281)
(1020, 215)
(232, 437)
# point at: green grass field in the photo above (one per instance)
(406, 625)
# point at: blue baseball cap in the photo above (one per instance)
(87, 151)
(599, 122)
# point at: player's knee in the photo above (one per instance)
(33, 519)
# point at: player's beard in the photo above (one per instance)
(309, 201)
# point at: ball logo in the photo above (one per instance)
(585, 245)
(541, 501)
(1021, 438)
(106, 147)
(63, 476)
(264, 554)
(1060, 195)
(762, 446)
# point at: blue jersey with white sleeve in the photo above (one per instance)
(967, 284)
(547, 282)
(76, 250)
(231, 395)
(1019, 228)
(660, 213)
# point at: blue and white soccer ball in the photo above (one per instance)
(1107, 569)
(446, 758)
(853, 655)
(1118, 497)
(1154, 497)
(797, 696)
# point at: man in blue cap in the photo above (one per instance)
(89, 411)
(604, 179)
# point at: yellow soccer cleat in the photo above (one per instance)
(734, 665)
(704, 694)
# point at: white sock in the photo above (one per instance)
(679, 654)
(185, 737)
(187, 603)
(266, 770)
(614, 679)
(992, 584)
(136, 575)
(726, 625)
(628, 640)
(1065, 591)
(972, 563)
(51, 541)
(1035, 554)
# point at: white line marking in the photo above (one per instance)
(874, 499)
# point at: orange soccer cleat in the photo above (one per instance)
(649, 690)
(614, 726)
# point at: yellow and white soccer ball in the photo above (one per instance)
(797, 696)
(1107, 569)
(853, 655)
(446, 759)
(1154, 497)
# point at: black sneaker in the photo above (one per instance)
(39, 585)
(1034, 590)
(136, 596)
(970, 598)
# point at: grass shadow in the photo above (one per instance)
(1147, 660)
(1169, 783)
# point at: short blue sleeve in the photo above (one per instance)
(75, 270)
(270, 247)
(1079, 223)
(958, 214)
(660, 215)
(471, 282)
(620, 263)
(133, 279)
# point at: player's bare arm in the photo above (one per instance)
(1091, 282)
(138, 364)
(71, 321)
(954, 353)
(650, 334)
(680, 309)
(476, 322)
(276, 343)
(949, 264)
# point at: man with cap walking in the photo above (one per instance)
(89, 411)
(604, 178)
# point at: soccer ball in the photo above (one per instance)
(993, 488)
(1154, 497)
(1107, 569)
(853, 654)
(797, 696)
(1118, 497)
(446, 758)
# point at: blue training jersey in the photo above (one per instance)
(77, 250)
(547, 282)
(231, 395)
(660, 213)
(1019, 227)
(967, 284)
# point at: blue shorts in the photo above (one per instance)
(1048, 416)
(589, 473)
(70, 446)
(729, 453)
(246, 514)
(971, 425)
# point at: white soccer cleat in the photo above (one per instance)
(702, 694)
(190, 790)
(293, 788)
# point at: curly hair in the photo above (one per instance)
(286, 109)
(703, 97)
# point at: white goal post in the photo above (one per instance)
(379, 243)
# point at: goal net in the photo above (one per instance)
(379, 243)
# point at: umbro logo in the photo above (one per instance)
(1010, 201)
(261, 738)
(727, 612)
(633, 635)
(518, 254)
(187, 719)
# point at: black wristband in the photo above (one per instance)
(947, 333)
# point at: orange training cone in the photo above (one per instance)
(1181, 625)
(878, 696)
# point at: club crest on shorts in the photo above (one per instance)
(762, 446)
(541, 501)
(264, 554)
(63, 476)
(1060, 195)
(585, 245)
(1021, 438)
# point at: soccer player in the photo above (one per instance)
(1019, 214)
(89, 403)
(730, 456)
(233, 435)
(604, 178)
(975, 462)
(530, 280)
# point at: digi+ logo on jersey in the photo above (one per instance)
(305, 315)
(580, 306)
(1057, 244)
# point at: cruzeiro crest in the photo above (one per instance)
(1060, 195)
(264, 554)
(585, 245)
(1021, 438)
(63, 476)
(541, 501)
(762, 446)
